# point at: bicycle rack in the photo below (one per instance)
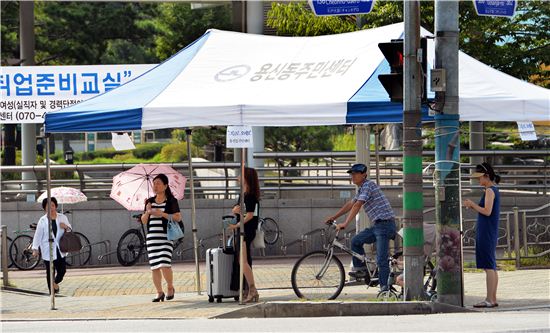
(108, 252)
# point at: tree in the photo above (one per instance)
(521, 43)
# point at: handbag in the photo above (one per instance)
(70, 242)
(259, 240)
(173, 230)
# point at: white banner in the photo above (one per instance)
(28, 92)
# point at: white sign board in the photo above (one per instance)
(28, 92)
(239, 137)
(527, 131)
(122, 141)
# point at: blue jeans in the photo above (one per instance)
(381, 233)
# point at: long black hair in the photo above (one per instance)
(251, 179)
(488, 170)
(164, 180)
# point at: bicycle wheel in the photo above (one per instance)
(21, 253)
(271, 230)
(387, 296)
(9, 241)
(129, 248)
(306, 281)
(82, 257)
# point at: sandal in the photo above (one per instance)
(485, 304)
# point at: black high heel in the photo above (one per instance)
(171, 297)
(160, 298)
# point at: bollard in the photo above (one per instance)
(524, 232)
(516, 235)
(5, 255)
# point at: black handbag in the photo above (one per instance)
(70, 242)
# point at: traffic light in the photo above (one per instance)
(393, 82)
(394, 54)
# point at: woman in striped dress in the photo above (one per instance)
(159, 249)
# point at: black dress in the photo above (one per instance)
(252, 205)
(159, 248)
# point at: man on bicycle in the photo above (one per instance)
(378, 209)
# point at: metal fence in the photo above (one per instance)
(285, 172)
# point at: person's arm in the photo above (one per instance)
(64, 223)
(346, 208)
(37, 239)
(489, 201)
(146, 212)
(248, 216)
(352, 213)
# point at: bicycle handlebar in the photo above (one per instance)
(137, 216)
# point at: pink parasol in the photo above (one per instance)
(64, 195)
(132, 187)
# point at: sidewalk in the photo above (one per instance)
(126, 292)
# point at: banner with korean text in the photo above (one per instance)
(28, 92)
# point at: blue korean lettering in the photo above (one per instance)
(43, 83)
(90, 86)
(5, 84)
(22, 88)
(67, 82)
(110, 82)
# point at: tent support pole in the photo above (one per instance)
(50, 230)
(193, 216)
(241, 250)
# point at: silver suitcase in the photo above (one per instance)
(219, 266)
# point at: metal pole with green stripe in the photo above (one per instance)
(413, 203)
(447, 158)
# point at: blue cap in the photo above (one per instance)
(359, 168)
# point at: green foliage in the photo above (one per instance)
(521, 42)
(344, 142)
(311, 138)
(174, 152)
(147, 150)
(176, 25)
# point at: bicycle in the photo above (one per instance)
(320, 274)
(270, 229)
(131, 244)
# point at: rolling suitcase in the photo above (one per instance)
(219, 267)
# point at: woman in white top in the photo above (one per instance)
(60, 223)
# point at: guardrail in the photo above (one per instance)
(313, 171)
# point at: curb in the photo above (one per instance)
(337, 309)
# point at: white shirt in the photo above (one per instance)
(40, 239)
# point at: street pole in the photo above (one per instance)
(188, 133)
(49, 214)
(413, 202)
(28, 131)
(447, 159)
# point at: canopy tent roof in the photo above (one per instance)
(230, 78)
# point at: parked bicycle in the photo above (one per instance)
(270, 229)
(20, 250)
(132, 244)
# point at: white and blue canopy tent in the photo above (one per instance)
(230, 78)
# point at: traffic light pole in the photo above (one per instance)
(413, 203)
(447, 158)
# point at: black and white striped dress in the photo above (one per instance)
(159, 248)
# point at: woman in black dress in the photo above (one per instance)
(252, 211)
(159, 249)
